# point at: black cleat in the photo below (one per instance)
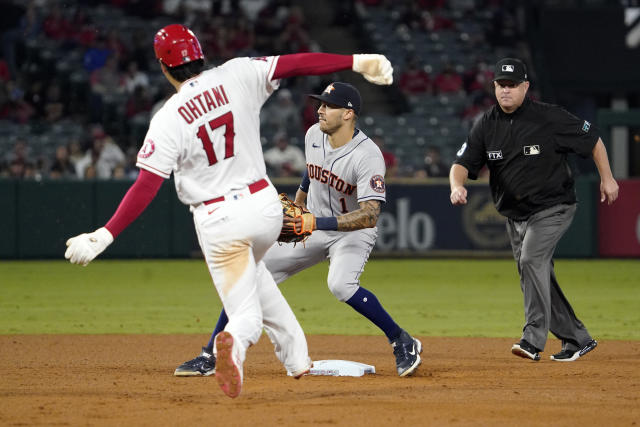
(202, 366)
(571, 355)
(526, 350)
(407, 351)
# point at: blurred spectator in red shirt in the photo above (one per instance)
(55, 25)
(414, 80)
(241, 37)
(448, 81)
(115, 45)
(479, 78)
(294, 38)
(433, 22)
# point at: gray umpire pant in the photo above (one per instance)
(533, 242)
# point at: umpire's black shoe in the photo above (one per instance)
(202, 366)
(407, 351)
(526, 350)
(571, 355)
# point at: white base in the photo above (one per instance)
(341, 368)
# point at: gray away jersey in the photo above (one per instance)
(341, 178)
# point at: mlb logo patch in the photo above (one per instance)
(586, 126)
(508, 68)
(531, 150)
(494, 155)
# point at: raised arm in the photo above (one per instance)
(375, 68)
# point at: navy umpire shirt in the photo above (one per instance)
(526, 153)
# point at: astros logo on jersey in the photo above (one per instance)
(329, 89)
(377, 183)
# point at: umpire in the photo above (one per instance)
(524, 144)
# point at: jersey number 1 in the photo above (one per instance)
(225, 120)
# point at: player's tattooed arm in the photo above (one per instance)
(365, 217)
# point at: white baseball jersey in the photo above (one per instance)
(208, 134)
(340, 178)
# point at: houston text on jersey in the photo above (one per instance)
(326, 176)
(203, 103)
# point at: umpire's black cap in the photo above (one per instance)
(511, 69)
(341, 94)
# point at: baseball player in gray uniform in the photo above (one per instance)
(343, 188)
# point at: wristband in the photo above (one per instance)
(327, 223)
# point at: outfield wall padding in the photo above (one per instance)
(418, 220)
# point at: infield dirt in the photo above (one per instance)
(128, 380)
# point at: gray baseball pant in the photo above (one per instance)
(533, 242)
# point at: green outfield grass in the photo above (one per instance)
(454, 297)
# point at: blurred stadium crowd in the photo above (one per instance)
(79, 81)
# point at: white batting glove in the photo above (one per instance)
(375, 68)
(83, 248)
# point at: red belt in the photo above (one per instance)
(253, 188)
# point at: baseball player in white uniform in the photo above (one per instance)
(207, 135)
(344, 188)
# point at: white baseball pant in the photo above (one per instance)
(234, 234)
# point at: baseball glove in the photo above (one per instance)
(292, 233)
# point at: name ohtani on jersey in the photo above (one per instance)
(207, 100)
(327, 177)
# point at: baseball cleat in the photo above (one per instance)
(201, 366)
(302, 372)
(571, 355)
(407, 351)
(525, 350)
(228, 368)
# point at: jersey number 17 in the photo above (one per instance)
(225, 120)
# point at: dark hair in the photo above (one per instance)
(186, 71)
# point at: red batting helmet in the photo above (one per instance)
(175, 45)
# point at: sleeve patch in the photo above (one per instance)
(377, 183)
(586, 126)
(147, 149)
